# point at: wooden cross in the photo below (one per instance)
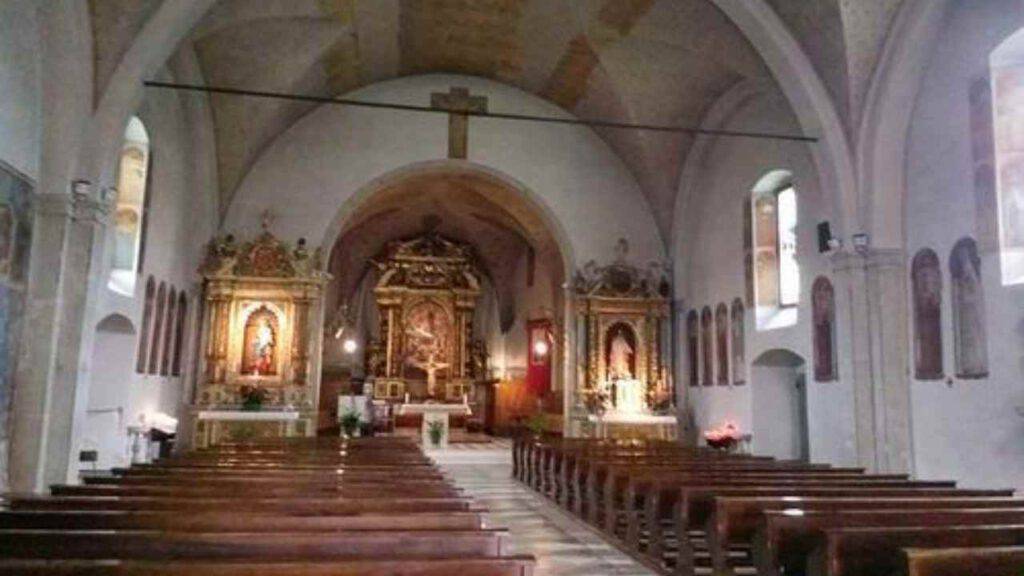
(458, 103)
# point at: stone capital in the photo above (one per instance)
(874, 258)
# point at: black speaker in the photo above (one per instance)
(824, 237)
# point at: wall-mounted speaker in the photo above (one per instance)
(824, 237)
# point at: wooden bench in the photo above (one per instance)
(999, 561)
(879, 549)
(295, 505)
(788, 537)
(505, 566)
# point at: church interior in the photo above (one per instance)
(511, 287)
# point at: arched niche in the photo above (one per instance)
(967, 296)
(110, 392)
(779, 397)
(926, 291)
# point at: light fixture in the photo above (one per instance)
(350, 346)
(540, 348)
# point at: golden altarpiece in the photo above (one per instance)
(623, 323)
(426, 294)
(260, 323)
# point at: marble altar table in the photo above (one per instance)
(434, 413)
(215, 426)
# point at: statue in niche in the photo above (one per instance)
(621, 353)
(259, 356)
(824, 320)
(970, 340)
(926, 278)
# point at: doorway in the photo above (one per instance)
(779, 389)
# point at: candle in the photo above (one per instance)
(406, 397)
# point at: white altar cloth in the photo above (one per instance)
(249, 416)
(434, 413)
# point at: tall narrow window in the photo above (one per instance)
(739, 336)
(142, 354)
(707, 340)
(776, 269)
(158, 328)
(722, 343)
(179, 334)
(926, 278)
(169, 321)
(824, 314)
(132, 180)
(692, 347)
(1007, 63)
(968, 296)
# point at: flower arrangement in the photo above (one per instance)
(724, 437)
(253, 397)
(350, 421)
(595, 400)
(435, 429)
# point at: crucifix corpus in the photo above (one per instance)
(459, 104)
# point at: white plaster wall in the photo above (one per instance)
(20, 86)
(316, 166)
(709, 270)
(776, 422)
(966, 430)
(176, 224)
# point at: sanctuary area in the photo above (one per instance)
(511, 287)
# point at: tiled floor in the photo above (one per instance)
(563, 545)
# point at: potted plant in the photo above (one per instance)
(537, 424)
(435, 430)
(253, 398)
(350, 423)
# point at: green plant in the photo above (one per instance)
(253, 398)
(435, 430)
(537, 424)
(350, 422)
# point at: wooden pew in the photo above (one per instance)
(879, 549)
(505, 566)
(735, 520)
(352, 490)
(787, 538)
(293, 505)
(1001, 561)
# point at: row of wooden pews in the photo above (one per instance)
(309, 507)
(689, 510)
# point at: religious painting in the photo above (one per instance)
(620, 352)
(926, 280)
(969, 337)
(739, 360)
(428, 341)
(707, 341)
(260, 342)
(692, 347)
(722, 343)
(824, 321)
(142, 355)
(158, 329)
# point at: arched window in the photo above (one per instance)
(722, 343)
(707, 340)
(142, 353)
(132, 182)
(158, 328)
(693, 347)
(968, 297)
(169, 322)
(1007, 104)
(179, 334)
(823, 301)
(776, 271)
(926, 279)
(739, 346)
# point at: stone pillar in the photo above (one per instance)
(872, 299)
(570, 357)
(65, 229)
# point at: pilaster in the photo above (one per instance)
(875, 310)
(64, 229)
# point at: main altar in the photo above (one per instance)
(426, 295)
(260, 322)
(623, 324)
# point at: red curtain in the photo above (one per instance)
(539, 351)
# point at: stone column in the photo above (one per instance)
(872, 302)
(65, 229)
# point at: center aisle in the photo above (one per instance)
(563, 545)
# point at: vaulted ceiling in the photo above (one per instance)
(643, 61)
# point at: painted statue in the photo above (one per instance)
(620, 359)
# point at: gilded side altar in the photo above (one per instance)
(260, 319)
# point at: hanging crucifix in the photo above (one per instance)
(459, 104)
